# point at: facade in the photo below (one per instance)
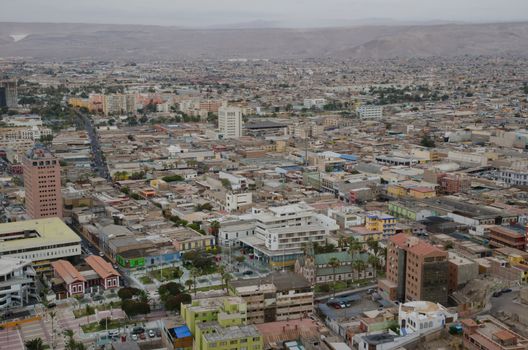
(491, 334)
(229, 233)
(230, 122)
(108, 276)
(8, 94)
(282, 232)
(381, 222)
(517, 177)
(316, 269)
(280, 296)
(42, 184)
(415, 270)
(40, 241)
(229, 311)
(177, 337)
(237, 200)
(461, 271)
(501, 236)
(213, 336)
(17, 282)
(73, 281)
(423, 316)
(370, 112)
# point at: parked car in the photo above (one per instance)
(134, 337)
(497, 294)
(51, 305)
(142, 336)
(151, 333)
(247, 273)
(138, 330)
(158, 332)
(506, 290)
(113, 333)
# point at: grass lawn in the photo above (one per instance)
(96, 327)
(145, 279)
(166, 274)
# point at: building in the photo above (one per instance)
(72, 280)
(423, 316)
(177, 337)
(42, 184)
(40, 241)
(370, 112)
(280, 296)
(491, 334)
(8, 93)
(416, 270)
(282, 232)
(108, 276)
(230, 122)
(501, 236)
(17, 283)
(229, 311)
(214, 336)
(461, 271)
(317, 270)
(230, 232)
(381, 222)
(317, 103)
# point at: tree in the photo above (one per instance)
(427, 141)
(374, 261)
(334, 263)
(173, 303)
(169, 289)
(373, 245)
(127, 293)
(189, 284)
(359, 266)
(214, 227)
(353, 246)
(134, 307)
(240, 259)
(34, 344)
(103, 322)
(194, 273)
(226, 277)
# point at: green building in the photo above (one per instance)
(414, 211)
(227, 311)
(220, 323)
(212, 336)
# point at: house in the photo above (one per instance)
(108, 276)
(70, 281)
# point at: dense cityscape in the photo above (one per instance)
(259, 204)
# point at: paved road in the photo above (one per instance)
(99, 164)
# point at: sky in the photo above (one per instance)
(284, 13)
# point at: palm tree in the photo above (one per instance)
(226, 277)
(52, 315)
(359, 266)
(334, 263)
(374, 261)
(194, 273)
(34, 344)
(373, 245)
(189, 284)
(353, 246)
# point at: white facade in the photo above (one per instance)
(370, 112)
(17, 282)
(230, 122)
(292, 226)
(514, 177)
(237, 182)
(230, 233)
(318, 103)
(423, 316)
(473, 158)
(234, 201)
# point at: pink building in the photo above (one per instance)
(42, 184)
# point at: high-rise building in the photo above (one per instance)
(42, 184)
(416, 270)
(230, 122)
(8, 93)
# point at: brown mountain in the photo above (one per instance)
(138, 42)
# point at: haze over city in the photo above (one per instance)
(264, 175)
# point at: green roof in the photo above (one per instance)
(343, 257)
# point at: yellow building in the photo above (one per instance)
(382, 223)
(422, 192)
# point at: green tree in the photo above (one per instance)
(427, 141)
(34, 344)
(334, 263)
(359, 266)
(173, 303)
(189, 284)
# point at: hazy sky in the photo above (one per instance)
(284, 12)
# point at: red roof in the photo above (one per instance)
(67, 271)
(425, 249)
(400, 239)
(101, 266)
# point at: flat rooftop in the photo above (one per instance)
(35, 234)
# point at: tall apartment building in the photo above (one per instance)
(8, 93)
(282, 232)
(230, 122)
(42, 184)
(370, 112)
(416, 270)
(17, 282)
(280, 296)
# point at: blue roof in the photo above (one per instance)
(182, 331)
(350, 157)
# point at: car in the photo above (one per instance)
(371, 290)
(247, 273)
(134, 337)
(497, 294)
(151, 333)
(158, 332)
(51, 305)
(138, 330)
(101, 254)
(506, 290)
(113, 333)
(334, 303)
(347, 303)
(142, 336)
